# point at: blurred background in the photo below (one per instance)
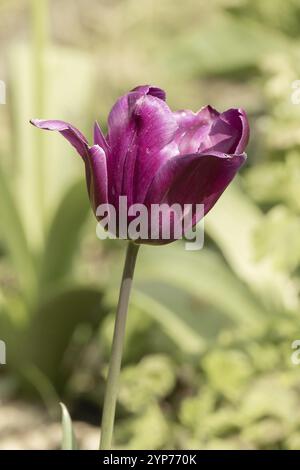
(207, 361)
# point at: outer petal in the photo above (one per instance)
(194, 179)
(151, 90)
(94, 159)
(141, 127)
(73, 135)
(245, 132)
(96, 176)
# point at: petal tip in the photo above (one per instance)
(151, 90)
(35, 122)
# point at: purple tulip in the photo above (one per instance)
(155, 156)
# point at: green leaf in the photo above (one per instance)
(232, 225)
(153, 378)
(218, 46)
(64, 234)
(46, 163)
(203, 275)
(42, 385)
(278, 238)
(69, 439)
(188, 340)
(14, 238)
(238, 372)
(52, 327)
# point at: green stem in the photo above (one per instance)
(111, 392)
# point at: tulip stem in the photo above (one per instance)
(111, 392)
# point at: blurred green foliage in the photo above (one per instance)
(207, 360)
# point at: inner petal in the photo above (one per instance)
(193, 128)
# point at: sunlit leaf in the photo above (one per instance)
(68, 439)
(232, 224)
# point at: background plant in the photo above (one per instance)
(207, 360)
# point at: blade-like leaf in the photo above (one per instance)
(14, 238)
(188, 340)
(46, 163)
(64, 234)
(203, 275)
(232, 224)
(68, 439)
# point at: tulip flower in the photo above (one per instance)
(154, 156)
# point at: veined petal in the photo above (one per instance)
(193, 128)
(73, 135)
(208, 130)
(140, 128)
(229, 133)
(194, 179)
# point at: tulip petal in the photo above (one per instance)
(193, 128)
(96, 176)
(141, 127)
(229, 133)
(209, 130)
(73, 135)
(194, 179)
(245, 132)
(151, 90)
(94, 158)
(99, 138)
